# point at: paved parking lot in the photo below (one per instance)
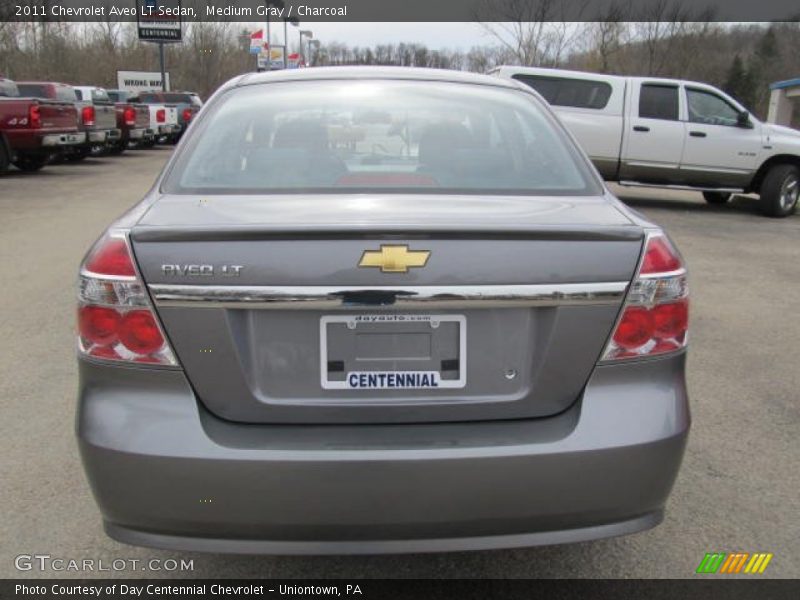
(737, 491)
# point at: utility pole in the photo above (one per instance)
(269, 47)
(285, 46)
(163, 67)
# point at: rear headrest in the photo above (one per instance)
(300, 133)
(438, 142)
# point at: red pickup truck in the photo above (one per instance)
(32, 129)
(133, 121)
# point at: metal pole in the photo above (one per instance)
(269, 47)
(161, 59)
(302, 54)
(285, 46)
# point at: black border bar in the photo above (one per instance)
(422, 589)
(413, 10)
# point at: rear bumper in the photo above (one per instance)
(103, 136)
(56, 140)
(136, 134)
(168, 474)
(31, 141)
(168, 129)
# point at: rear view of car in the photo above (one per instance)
(99, 117)
(133, 121)
(380, 310)
(187, 105)
(170, 112)
(35, 125)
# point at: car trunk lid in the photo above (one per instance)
(277, 316)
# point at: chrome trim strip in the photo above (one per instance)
(687, 188)
(387, 297)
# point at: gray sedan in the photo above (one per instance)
(380, 310)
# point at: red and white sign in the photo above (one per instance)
(257, 41)
(294, 60)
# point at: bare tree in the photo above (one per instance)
(534, 32)
(664, 24)
(607, 35)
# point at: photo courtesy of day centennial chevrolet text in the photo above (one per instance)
(370, 310)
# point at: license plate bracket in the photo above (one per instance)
(393, 352)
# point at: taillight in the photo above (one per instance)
(34, 116)
(655, 318)
(129, 115)
(187, 115)
(115, 319)
(161, 115)
(87, 115)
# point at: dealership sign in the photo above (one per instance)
(159, 20)
(272, 56)
(139, 81)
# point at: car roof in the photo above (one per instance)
(45, 83)
(405, 73)
(569, 73)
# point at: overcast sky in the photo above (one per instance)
(434, 35)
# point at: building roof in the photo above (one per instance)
(787, 83)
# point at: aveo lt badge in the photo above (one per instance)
(394, 259)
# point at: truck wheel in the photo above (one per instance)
(79, 154)
(30, 163)
(780, 191)
(716, 197)
(118, 148)
(3, 158)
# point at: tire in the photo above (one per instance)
(99, 150)
(780, 191)
(716, 197)
(117, 148)
(4, 162)
(30, 163)
(79, 154)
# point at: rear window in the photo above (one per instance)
(658, 102)
(33, 90)
(171, 98)
(100, 95)
(578, 93)
(116, 96)
(149, 98)
(334, 136)
(182, 99)
(65, 93)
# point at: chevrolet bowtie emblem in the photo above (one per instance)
(394, 259)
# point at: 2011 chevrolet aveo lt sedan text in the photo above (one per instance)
(380, 310)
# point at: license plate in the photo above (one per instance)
(393, 352)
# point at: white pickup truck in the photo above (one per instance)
(670, 133)
(163, 119)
